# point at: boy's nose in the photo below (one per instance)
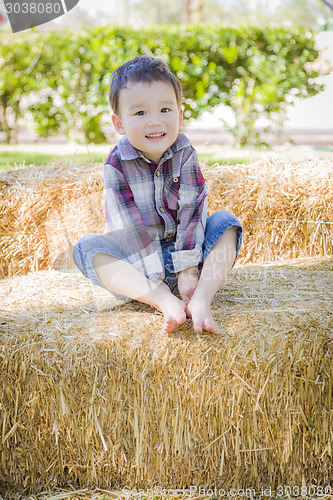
(154, 120)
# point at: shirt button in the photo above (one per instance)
(175, 179)
(161, 209)
(169, 235)
(157, 173)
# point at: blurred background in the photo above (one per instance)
(313, 14)
(307, 121)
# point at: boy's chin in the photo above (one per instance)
(154, 153)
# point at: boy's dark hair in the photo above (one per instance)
(142, 69)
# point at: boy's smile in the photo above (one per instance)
(149, 116)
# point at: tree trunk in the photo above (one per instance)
(200, 9)
(188, 8)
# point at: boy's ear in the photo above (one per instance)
(117, 123)
(180, 117)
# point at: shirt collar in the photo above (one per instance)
(129, 152)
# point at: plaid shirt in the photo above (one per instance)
(146, 202)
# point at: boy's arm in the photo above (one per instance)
(192, 215)
(124, 222)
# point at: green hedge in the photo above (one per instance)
(66, 75)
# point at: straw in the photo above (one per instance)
(97, 397)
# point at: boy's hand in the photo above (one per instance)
(187, 283)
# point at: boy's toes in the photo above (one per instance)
(169, 326)
(172, 324)
(210, 326)
(181, 318)
(197, 327)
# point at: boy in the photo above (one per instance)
(157, 233)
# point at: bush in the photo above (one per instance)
(66, 75)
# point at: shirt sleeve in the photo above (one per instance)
(192, 215)
(123, 221)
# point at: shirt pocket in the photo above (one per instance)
(171, 188)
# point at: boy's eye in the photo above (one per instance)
(140, 113)
(165, 110)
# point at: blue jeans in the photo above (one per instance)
(91, 244)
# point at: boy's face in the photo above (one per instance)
(149, 116)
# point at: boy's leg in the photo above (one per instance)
(124, 279)
(214, 272)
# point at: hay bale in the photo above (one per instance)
(286, 209)
(93, 394)
(44, 210)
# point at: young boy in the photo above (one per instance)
(157, 233)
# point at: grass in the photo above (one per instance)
(10, 159)
(322, 148)
(17, 159)
(210, 159)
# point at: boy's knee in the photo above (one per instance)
(232, 234)
(223, 218)
(103, 259)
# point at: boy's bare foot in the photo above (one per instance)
(172, 308)
(174, 314)
(201, 315)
